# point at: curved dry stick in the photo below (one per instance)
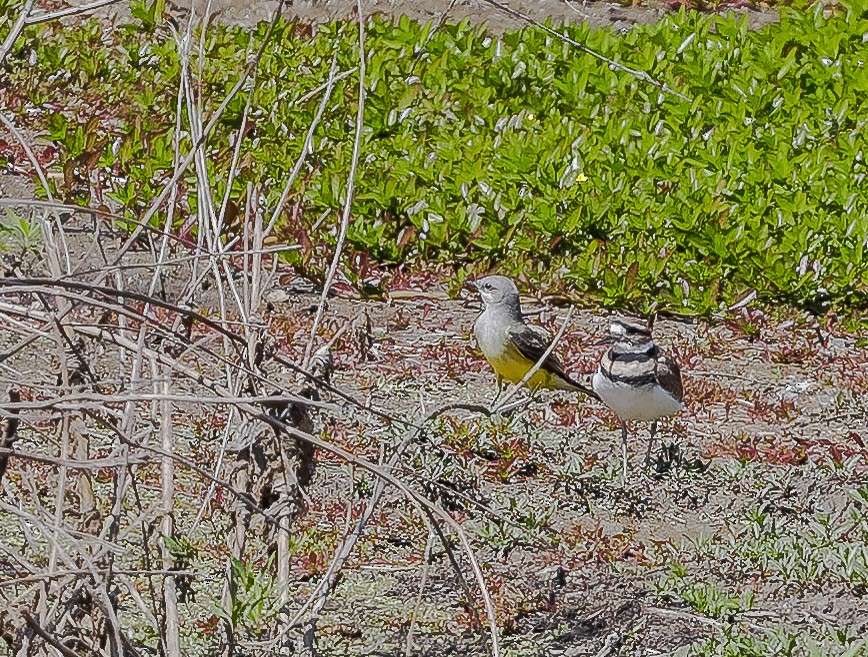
(82, 400)
(45, 17)
(476, 504)
(426, 567)
(329, 578)
(236, 152)
(36, 285)
(49, 286)
(47, 233)
(144, 572)
(422, 503)
(48, 637)
(307, 146)
(34, 162)
(75, 464)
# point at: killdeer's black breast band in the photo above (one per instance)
(635, 356)
(632, 380)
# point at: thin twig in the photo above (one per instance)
(51, 247)
(426, 567)
(78, 573)
(172, 628)
(641, 75)
(76, 464)
(307, 145)
(46, 636)
(16, 30)
(533, 370)
(350, 192)
(10, 432)
(84, 399)
(44, 17)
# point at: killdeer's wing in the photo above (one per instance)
(669, 377)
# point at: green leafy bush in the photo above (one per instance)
(516, 152)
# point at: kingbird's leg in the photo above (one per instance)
(533, 392)
(499, 388)
(624, 448)
(650, 443)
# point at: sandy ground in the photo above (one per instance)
(577, 559)
(763, 411)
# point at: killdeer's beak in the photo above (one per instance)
(609, 339)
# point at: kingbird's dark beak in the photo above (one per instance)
(472, 285)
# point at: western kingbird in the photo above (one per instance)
(636, 381)
(511, 346)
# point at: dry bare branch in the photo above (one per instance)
(16, 30)
(44, 17)
(350, 190)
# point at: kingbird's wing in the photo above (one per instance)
(532, 346)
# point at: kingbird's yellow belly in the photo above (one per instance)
(512, 366)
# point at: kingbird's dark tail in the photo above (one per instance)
(568, 383)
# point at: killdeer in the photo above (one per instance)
(636, 381)
(511, 346)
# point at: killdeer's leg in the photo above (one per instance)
(624, 448)
(651, 443)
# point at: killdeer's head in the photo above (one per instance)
(621, 330)
(496, 291)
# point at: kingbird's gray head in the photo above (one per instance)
(497, 291)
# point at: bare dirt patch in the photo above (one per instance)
(759, 436)
(738, 527)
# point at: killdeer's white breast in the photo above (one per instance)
(627, 382)
(635, 402)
